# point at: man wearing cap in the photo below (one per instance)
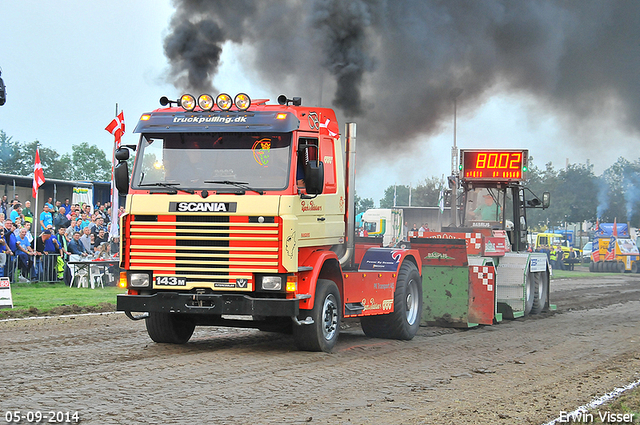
(46, 247)
(488, 210)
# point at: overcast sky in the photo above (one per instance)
(67, 64)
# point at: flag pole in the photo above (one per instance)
(36, 218)
(114, 228)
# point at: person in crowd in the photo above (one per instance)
(76, 247)
(4, 205)
(46, 218)
(61, 219)
(15, 212)
(64, 254)
(49, 203)
(98, 225)
(84, 221)
(85, 239)
(27, 226)
(424, 228)
(27, 213)
(47, 246)
(99, 239)
(414, 228)
(12, 245)
(25, 255)
(4, 252)
(67, 205)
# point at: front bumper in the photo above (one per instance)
(237, 304)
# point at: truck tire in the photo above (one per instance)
(634, 267)
(404, 322)
(620, 267)
(540, 293)
(322, 335)
(591, 266)
(169, 328)
(529, 291)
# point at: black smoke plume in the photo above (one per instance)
(392, 64)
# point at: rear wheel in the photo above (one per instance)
(591, 266)
(169, 328)
(322, 335)
(404, 322)
(634, 267)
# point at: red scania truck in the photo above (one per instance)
(241, 213)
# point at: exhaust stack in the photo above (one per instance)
(350, 187)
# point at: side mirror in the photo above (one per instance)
(546, 200)
(122, 154)
(121, 177)
(314, 178)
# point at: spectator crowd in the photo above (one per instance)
(39, 249)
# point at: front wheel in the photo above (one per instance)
(322, 334)
(169, 328)
(404, 321)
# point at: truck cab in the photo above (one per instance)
(240, 213)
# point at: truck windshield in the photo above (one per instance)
(196, 160)
(484, 208)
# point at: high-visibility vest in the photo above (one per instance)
(554, 255)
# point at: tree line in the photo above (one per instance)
(577, 194)
(85, 162)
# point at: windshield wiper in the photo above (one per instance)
(171, 186)
(241, 185)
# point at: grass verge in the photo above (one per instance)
(40, 298)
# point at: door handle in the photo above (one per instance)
(321, 219)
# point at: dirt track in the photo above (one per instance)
(520, 372)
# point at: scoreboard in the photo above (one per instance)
(487, 165)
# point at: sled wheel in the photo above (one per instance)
(169, 328)
(540, 292)
(322, 335)
(404, 322)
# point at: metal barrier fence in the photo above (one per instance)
(42, 268)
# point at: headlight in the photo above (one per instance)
(139, 280)
(205, 102)
(272, 283)
(188, 102)
(242, 101)
(224, 101)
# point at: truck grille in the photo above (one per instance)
(220, 252)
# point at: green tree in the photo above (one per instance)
(9, 153)
(89, 163)
(362, 204)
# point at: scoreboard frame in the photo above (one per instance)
(493, 165)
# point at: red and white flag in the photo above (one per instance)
(38, 174)
(116, 127)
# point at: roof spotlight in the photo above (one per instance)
(205, 102)
(224, 101)
(188, 102)
(242, 101)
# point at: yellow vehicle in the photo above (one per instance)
(554, 239)
(614, 254)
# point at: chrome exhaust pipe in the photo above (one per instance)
(350, 188)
